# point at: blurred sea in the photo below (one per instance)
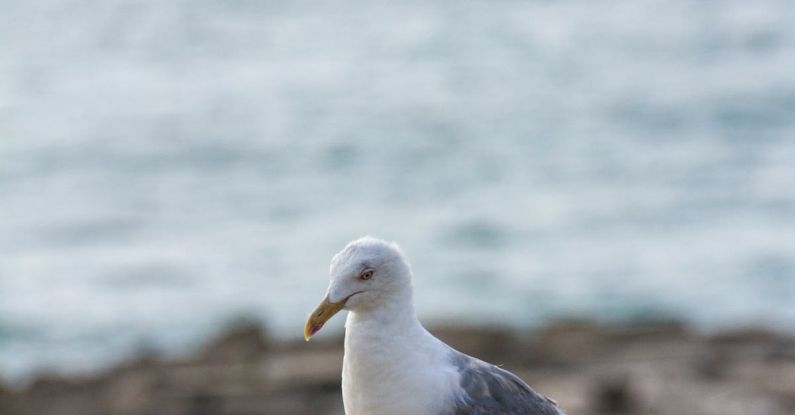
(169, 166)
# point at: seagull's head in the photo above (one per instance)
(365, 276)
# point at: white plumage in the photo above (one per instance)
(392, 365)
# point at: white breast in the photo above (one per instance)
(395, 370)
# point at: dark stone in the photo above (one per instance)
(203, 403)
(245, 342)
(711, 366)
(613, 395)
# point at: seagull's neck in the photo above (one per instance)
(389, 332)
(392, 365)
(395, 316)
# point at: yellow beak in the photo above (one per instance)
(322, 313)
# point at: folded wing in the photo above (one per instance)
(488, 390)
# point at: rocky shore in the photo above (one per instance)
(659, 369)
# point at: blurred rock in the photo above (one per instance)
(488, 343)
(244, 342)
(5, 399)
(711, 365)
(641, 369)
(613, 395)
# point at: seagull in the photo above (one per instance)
(392, 365)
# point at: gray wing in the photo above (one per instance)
(489, 390)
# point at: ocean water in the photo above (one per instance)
(169, 166)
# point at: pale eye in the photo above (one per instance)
(366, 275)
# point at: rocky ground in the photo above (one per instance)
(650, 369)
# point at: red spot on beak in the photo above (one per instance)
(316, 328)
